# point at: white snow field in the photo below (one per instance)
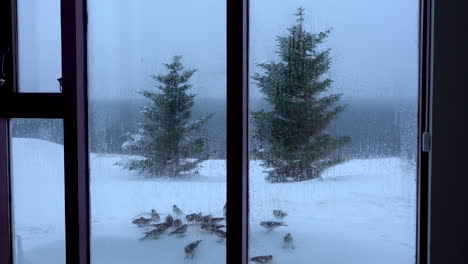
(362, 211)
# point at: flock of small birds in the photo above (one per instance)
(208, 223)
(178, 226)
(288, 241)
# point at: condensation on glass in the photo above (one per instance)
(130, 44)
(37, 191)
(39, 46)
(341, 190)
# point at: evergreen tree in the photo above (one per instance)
(290, 139)
(167, 139)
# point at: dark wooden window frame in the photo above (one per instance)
(71, 106)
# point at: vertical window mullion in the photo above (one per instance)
(5, 227)
(7, 43)
(237, 129)
(73, 16)
(423, 157)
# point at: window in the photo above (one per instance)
(373, 181)
(37, 191)
(157, 130)
(333, 138)
(39, 46)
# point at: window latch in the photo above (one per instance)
(426, 142)
(60, 80)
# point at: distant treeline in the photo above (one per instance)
(378, 127)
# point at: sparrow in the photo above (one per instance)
(279, 214)
(191, 248)
(219, 233)
(177, 223)
(169, 220)
(262, 259)
(179, 231)
(216, 219)
(153, 234)
(141, 222)
(155, 216)
(270, 225)
(176, 210)
(288, 241)
(198, 218)
(161, 225)
(193, 217)
(207, 218)
(210, 227)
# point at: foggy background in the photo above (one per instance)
(374, 49)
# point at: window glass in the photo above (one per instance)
(37, 191)
(39, 46)
(157, 98)
(333, 103)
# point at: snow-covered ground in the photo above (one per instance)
(363, 211)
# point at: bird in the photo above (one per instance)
(206, 218)
(169, 220)
(270, 225)
(216, 219)
(154, 234)
(176, 210)
(210, 227)
(279, 214)
(262, 259)
(179, 231)
(141, 222)
(288, 241)
(220, 233)
(193, 217)
(198, 218)
(155, 216)
(191, 248)
(177, 223)
(161, 225)
(225, 210)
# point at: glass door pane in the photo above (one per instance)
(39, 46)
(157, 99)
(333, 143)
(37, 191)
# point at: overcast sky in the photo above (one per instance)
(374, 43)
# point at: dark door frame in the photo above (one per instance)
(439, 53)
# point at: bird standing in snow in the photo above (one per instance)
(193, 217)
(288, 241)
(198, 218)
(271, 225)
(141, 222)
(179, 231)
(155, 216)
(176, 210)
(220, 233)
(191, 248)
(154, 234)
(262, 259)
(161, 225)
(177, 223)
(169, 220)
(279, 214)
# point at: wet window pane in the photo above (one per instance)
(37, 191)
(333, 102)
(157, 131)
(39, 46)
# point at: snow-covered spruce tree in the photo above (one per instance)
(167, 138)
(289, 138)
